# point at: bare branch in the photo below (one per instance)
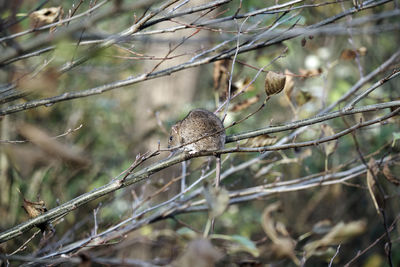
(146, 172)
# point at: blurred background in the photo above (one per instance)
(56, 152)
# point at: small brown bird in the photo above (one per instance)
(199, 123)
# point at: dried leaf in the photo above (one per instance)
(261, 140)
(362, 51)
(281, 229)
(245, 103)
(274, 83)
(372, 187)
(200, 253)
(339, 234)
(303, 42)
(289, 84)
(310, 73)
(34, 209)
(348, 54)
(221, 75)
(389, 176)
(268, 221)
(283, 246)
(46, 15)
(288, 90)
(217, 200)
(329, 147)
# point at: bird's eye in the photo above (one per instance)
(170, 138)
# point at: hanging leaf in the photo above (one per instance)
(310, 73)
(288, 90)
(362, 51)
(283, 246)
(221, 75)
(348, 54)
(339, 234)
(34, 209)
(376, 196)
(329, 147)
(289, 84)
(261, 140)
(303, 42)
(274, 83)
(389, 176)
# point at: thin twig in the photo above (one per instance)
(146, 172)
(54, 137)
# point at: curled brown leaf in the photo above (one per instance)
(283, 245)
(274, 83)
(261, 140)
(389, 176)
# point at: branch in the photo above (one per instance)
(239, 196)
(310, 143)
(45, 39)
(248, 45)
(364, 80)
(146, 172)
(316, 119)
(351, 105)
